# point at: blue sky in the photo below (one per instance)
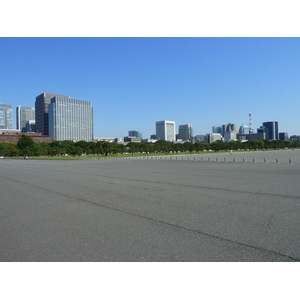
(134, 82)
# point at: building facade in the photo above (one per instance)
(213, 137)
(200, 138)
(244, 129)
(185, 132)
(228, 128)
(70, 119)
(283, 136)
(217, 129)
(271, 130)
(165, 130)
(41, 111)
(5, 116)
(14, 136)
(134, 139)
(25, 115)
(135, 133)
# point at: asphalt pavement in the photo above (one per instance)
(148, 210)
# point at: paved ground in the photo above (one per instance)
(269, 157)
(148, 210)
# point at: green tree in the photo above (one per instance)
(133, 147)
(199, 146)
(11, 150)
(162, 146)
(188, 146)
(25, 145)
(2, 149)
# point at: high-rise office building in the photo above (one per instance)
(283, 136)
(41, 111)
(244, 130)
(165, 130)
(135, 133)
(5, 116)
(185, 132)
(271, 129)
(229, 132)
(228, 128)
(30, 126)
(70, 119)
(24, 115)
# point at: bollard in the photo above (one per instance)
(216, 159)
(290, 161)
(225, 159)
(208, 159)
(234, 159)
(265, 160)
(194, 157)
(277, 160)
(253, 160)
(201, 158)
(243, 159)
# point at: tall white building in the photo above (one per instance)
(70, 119)
(165, 130)
(25, 117)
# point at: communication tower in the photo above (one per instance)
(250, 123)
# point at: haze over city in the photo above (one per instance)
(134, 82)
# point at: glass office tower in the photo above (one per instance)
(70, 119)
(5, 116)
(271, 130)
(42, 102)
(25, 115)
(185, 132)
(135, 133)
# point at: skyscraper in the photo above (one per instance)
(229, 132)
(185, 132)
(228, 128)
(41, 111)
(24, 115)
(70, 119)
(271, 129)
(5, 116)
(165, 130)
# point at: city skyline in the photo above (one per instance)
(43, 99)
(133, 82)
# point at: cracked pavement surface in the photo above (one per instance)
(148, 210)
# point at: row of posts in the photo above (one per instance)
(201, 158)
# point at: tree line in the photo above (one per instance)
(27, 147)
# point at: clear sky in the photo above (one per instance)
(134, 82)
